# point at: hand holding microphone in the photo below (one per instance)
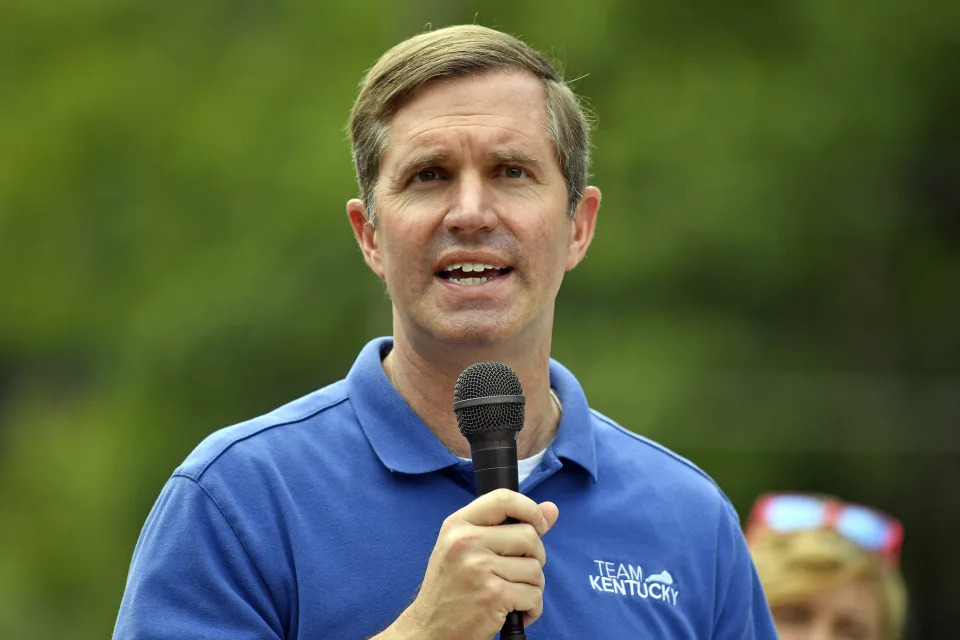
(485, 574)
(489, 404)
(479, 573)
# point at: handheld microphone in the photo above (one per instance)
(489, 404)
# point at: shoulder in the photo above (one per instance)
(643, 450)
(662, 472)
(633, 466)
(270, 435)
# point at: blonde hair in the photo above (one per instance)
(455, 52)
(797, 564)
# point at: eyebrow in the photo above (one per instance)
(513, 156)
(418, 161)
(431, 158)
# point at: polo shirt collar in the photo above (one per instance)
(401, 440)
(405, 444)
(574, 440)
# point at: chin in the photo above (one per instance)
(475, 333)
(475, 336)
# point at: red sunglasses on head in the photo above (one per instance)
(870, 529)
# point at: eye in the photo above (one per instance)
(852, 629)
(792, 615)
(514, 173)
(426, 175)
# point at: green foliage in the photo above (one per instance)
(773, 290)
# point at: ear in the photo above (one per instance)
(583, 223)
(366, 235)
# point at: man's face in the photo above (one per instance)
(472, 234)
(850, 611)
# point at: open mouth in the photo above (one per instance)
(472, 273)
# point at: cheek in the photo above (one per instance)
(393, 241)
(403, 253)
(552, 248)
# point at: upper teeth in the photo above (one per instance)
(469, 266)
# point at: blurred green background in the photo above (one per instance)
(774, 290)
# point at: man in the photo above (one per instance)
(350, 513)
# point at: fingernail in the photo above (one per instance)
(543, 524)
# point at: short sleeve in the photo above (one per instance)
(191, 576)
(741, 607)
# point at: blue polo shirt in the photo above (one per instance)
(317, 521)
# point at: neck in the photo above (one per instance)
(426, 381)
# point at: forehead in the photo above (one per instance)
(497, 108)
(859, 598)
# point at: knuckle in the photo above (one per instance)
(477, 564)
(493, 590)
(447, 529)
(450, 523)
(460, 540)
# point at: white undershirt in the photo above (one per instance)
(526, 466)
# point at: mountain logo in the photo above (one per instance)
(663, 577)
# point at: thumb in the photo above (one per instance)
(550, 514)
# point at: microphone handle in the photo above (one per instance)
(495, 465)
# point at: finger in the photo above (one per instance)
(529, 617)
(520, 596)
(513, 540)
(519, 571)
(493, 508)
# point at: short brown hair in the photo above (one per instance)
(455, 52)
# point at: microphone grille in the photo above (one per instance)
(489, 380)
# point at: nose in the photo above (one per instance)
(472, 208)
(821, 630)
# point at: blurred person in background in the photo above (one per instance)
(341, 515)
(830, 569)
